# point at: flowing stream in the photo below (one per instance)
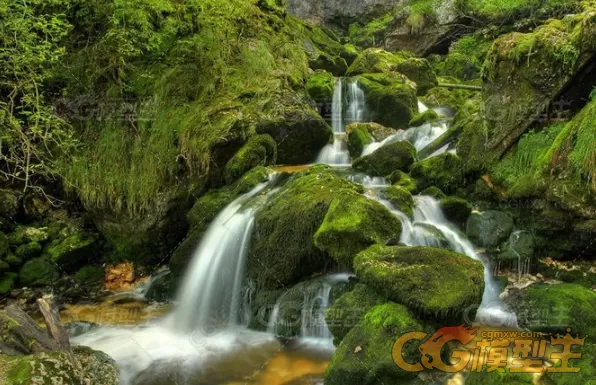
(420, 136)
(337, 154)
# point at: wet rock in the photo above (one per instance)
(456, 209)
(387, 159)
(320, 86)
(358, 138)
(390, 97)
(444, 171)
(489, 228)
(352, 224)
(401, 179)
(38, 272)
(364, 355)
(401, 198)
(433, 282)
(259, 150)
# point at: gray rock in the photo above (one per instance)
(489, 228)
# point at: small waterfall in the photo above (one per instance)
(368, 181)
(429, 227)
(210, 294)
(312, 298)
(337, 154)
(420, 136)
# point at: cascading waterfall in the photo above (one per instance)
(420, 136)
(211, 291)
(337, 153)
(429, 227)
(313, 302)
(206, 326)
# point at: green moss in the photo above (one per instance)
(71, 251)
(401, 198)
(387, 159)
(561, 306)
(3, 244)
(38, 272)
(375, 60)
(259, 150)
(90, 275)
(320, 86)
(7, 282)
(25, 234)
(444, 171)
(358, 137)
(353, 223)
(282, 248)
(508, 11)
(578, 272)
(435, 283)
(520, 171)
(428, 116)
(391, 99)
(374, 336)
(586, 365)
(434, 192)
(371, 33)
(401, 179)
(489, 228)
(28, 250)
(13, 260)
(445, 97)
(456, 209)
(347, 311)
(465, 59)
(497, 378)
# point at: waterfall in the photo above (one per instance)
(210, 294)
(429, 227)
(313, 299)
(337, 154)
(420, 137)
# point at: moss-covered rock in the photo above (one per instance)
(428, 116)
(358, 137)
(27, 234)
(497, 378)
(586, 365)
(259, 150)
(14, 261)
(578, 272)
(364, 355)
(444, 171)
(524, 72)
(90, 275)
(347, 311)
(375, 60)
(320, 86)
(7, 282)
(38, 272)
(520, 246)
(446, 97)
(390, 97)
(456, 209)
(434, 192)
(553, 308)
(379, 132)
(432, 282)
(401, 179)
(489, 228)
(28, 250)
(282, 248)
(387, 159)
(401, 198)
(352, 224)
(299, 133)
(73, 250)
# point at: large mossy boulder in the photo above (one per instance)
(553, 308)
(489, 228)
(282, 248)
(259, 150)
(390, 97)
(72, 250)
(444, 171)
(402, 179)
(365, 353)
(39, 272)
(524, 72)
(300, 133)
(387, 159)
(347, 311)
(434, 283)
(456, 209)
(358, 138)
(354, 223)
(375, 60)
(320, 86)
